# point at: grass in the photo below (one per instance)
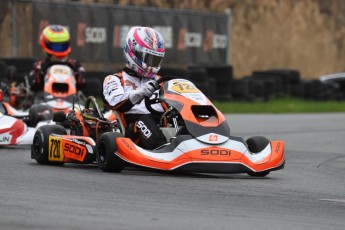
(281, 105)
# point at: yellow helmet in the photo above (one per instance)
(55, 41)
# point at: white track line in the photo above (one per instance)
(334, 200)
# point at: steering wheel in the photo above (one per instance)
(149, 102)
(92, 99)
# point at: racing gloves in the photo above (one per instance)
(149, 88)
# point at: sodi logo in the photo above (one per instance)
(88, 34)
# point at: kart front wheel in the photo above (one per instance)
(40, 145)
(257, 144)
(107, 160)
(259, 174)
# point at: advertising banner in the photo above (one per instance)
(98, 32)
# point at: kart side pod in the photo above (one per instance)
(51, 144)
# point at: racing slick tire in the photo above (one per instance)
(39, 113)
(107, 161)
(257, 144)
(40, 144)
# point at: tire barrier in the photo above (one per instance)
(289, 78)
(174, 72)
(258, 90)
(223, 77)
(318, 90)
(22, 65)
(94, 82)
(222, 74)
(337, 81)
(17, 68)
(240, 89)
(216, 82)
(276, 80)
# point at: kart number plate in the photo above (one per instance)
(55, 152)
(184, 87)
(60, 71)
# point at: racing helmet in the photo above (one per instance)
(144, 51)
(55, 42)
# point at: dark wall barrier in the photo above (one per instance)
(98, 31)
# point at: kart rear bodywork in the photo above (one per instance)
(70, 149)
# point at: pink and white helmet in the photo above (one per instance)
(144, 51)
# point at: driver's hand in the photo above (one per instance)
(146, 91)
(150, 87)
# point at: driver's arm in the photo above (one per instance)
(79, 72)
(114, 95)
(117, 98)
(36, 75)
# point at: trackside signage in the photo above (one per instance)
(98, 32)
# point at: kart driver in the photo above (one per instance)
(55, 44)
(124, 91)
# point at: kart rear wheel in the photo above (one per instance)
(106, 159)
(39, 113)
(40, 145)
(257, 144)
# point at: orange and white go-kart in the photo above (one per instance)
(59, 88)
(197, 133)
(57, 95)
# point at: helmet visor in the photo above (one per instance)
(57, 47)
(149, 59)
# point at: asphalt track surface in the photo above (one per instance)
(308, 194)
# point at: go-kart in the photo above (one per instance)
(59, 88)
(13, 129)
(58, 95)
(18, 104)
(198, 140)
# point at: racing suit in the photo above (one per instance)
(123, 92)
(39, 71)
